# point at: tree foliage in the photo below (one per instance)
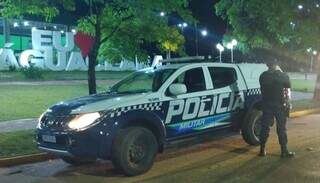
(171, 41)
(273, 23)
(285, 27)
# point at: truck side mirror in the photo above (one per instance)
(177, 89)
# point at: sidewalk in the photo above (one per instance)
(56, 82)
(17, 125)
(301, 95)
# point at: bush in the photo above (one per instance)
(12, 68)
(32, 72)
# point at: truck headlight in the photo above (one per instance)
(83, 120)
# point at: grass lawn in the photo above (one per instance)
(17, 143)
(64, 75)
(303, 85)
(20, 101)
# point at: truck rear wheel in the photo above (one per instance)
(251, 127)
(134, 150)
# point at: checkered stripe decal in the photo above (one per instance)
(147, 107)
(255, 91)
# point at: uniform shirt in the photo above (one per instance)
(272, 83)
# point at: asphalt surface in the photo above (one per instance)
(226, 159)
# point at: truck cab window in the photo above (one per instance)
(222, 76)
(193, 79)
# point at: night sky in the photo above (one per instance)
(204, 11)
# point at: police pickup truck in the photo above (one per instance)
(137, 117)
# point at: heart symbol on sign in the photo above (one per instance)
(84, 42)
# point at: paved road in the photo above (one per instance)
(223, 160)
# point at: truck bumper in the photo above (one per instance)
(86, 144)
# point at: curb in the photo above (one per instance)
(306, 112)
(33, 158)
(19, 160)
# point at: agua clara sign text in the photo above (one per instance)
(47, 53)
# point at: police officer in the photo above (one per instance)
(272, 84)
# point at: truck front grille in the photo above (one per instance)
(55, 122)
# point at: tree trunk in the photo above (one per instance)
(93, 54)
(6, 30)
(316, 95)
(168, 54)
(91, 70)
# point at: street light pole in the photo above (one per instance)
(232, 55)
(311, 63)
(230, 46)
(221, 49)
(197, 38)
(182, 26)
(314, 53)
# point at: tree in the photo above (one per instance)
(286, 28)
(122, 25)
(171, 41)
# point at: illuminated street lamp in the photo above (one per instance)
(315, 52)
(234, 42)
(74, 31)
(221, 49)
(15, 24)
(300, 6)
(204, 33)
(26, 23)
(230, 46)
(162, 13)
(183, 25)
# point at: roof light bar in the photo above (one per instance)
(183, 59)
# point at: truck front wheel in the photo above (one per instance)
(134, 150)
(251, 127)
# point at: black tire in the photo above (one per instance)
(251, 127)
(134, 150)
(77, 161)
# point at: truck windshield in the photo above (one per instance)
(142, 81)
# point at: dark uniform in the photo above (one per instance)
(272, 84)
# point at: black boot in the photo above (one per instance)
(263, 151)
(285, 153)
